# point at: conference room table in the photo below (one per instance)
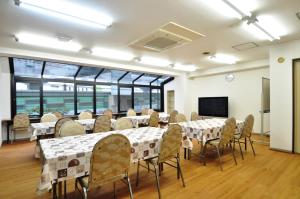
(67, 158)
(202, 131)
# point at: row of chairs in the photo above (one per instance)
(145, 111)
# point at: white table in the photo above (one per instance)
(144, 119)
(69, 157)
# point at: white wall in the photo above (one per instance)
(281, 121)
(244, 93)
(5, 94)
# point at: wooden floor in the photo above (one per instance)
(270, 174)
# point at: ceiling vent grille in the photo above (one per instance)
(245, 46)
(168, 36)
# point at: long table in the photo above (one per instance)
(69, 157)
(144, 119)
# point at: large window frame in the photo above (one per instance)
(94, 83)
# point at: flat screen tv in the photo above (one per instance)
(213, 106)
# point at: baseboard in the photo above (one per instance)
(281, 150)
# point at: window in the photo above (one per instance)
(160, 80)
(106, 97)
(60, 71)
(110, 76)
(146, 79)
(58, 96)
(85, 98)
(141, 98)
(129, 78)
(156, 99)
(88, 73)
(28, 97)
(28, 68)
(125, 98)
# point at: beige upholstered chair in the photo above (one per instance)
(131, 112)
(109, 113)
(110, 162)
(246, 133)
(145, 111)
(49, 117)
(70, 128)
(150, 111)
(227, 137)
(59, 115)
(173, 117)
(181, 118)
(102, 124)
(169, 149)
(21, 124)
(195, 116)
(154, 119)
(123, 123)
(58, 124)
(85, 115)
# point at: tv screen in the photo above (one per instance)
(213, 106)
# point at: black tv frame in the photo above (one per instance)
(212, 115)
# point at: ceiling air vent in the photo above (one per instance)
(168, 36)
(245, 46)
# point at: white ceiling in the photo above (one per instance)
(134, 19)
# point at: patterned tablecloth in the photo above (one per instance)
(48, 127)
(144, 119)
(204, 130)
(69, 157)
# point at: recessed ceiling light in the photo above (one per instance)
(67, 11)
(225, 59)
(183, 67)
(47, 42)
(154, 61)
(112, 54)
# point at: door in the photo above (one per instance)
(170, 101)
(296, 91)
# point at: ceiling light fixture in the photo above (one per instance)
(47, 42)
(186, 68)
(112, 54)
(225, 59)
(154, 61)
(67, 11)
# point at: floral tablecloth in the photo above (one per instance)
(144, 119)
(69, 157)
(48, 127)
(204, 130)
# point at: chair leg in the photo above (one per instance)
(245, 144)
(180, 172)
(129, 187)
(251, 143)
(85, 193)
(65, 189)
(138, 173)
(157, 181)
(203, 154)
(220, 161)
(115, 190)
(233, 153)
(241, 149)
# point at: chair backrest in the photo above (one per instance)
(110, 160)
(154, 119)
(58, 124)
(58, 114)
(248, 126)
(150, 111)
(195, 116)
(145, 111)
(85, 115)
(109, 113)
(131, 112)
(21, 120)
(170, 145)
(123, 123)
(102, 124)
(70, 128)
(228, 130)
(181, 118)
(49, 117)
(173, 117)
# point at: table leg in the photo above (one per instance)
(59, 190)
(7, 137)
(54, 195)
(184, 153)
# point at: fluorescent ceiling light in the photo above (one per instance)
(67, 11)
(112, 54)
(259, 32)
(225, 59)
(154, 61)
(187, 68)
(47, 42)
